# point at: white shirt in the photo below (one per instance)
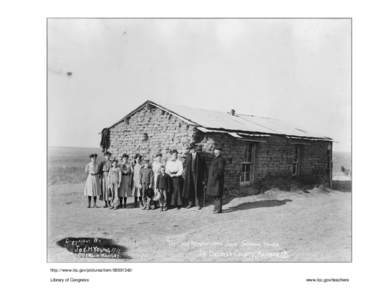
(174, 166)
(156, 167)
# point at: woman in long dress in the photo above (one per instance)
(92, 185)
(126, 180)
(104, 171)
(174, 168)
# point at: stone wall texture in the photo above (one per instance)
(148, 132)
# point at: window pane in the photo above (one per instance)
(248, 151)
(245, 172)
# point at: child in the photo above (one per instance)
(114, 180)
(137, 190)
(163, 188)
(126, 180)
(92, 185)
(147, 182)
(156, 165)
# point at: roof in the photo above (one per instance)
(208, 120)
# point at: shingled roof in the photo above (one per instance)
(236, 125)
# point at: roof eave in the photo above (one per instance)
(188, 121)
(221, 130)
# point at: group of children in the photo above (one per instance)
(114, 182)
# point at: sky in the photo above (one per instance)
(296, 70)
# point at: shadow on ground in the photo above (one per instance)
(257, 204)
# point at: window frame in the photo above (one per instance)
(251, 147)
(297, 160)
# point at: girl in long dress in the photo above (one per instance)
(126, 180)
(136, 180)
(114, 180)
(156, 165)
(174, 168)
(92, 185)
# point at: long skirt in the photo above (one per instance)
(114, 189)
(124, 189)
(176, 195)
(92, 186)
(136, 191)
(105, 187)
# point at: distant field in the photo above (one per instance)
(66, 164)
(341, 159)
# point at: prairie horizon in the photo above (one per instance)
(66, 163)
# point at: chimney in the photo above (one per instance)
(232, 112)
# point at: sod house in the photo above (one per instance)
(257, 150)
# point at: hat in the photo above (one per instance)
(157, 196)
(150, 192)
(107, 153)
(93, 155)
(125, 155)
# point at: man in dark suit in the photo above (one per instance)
(194, 177)
(215, 183)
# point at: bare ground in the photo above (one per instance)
(297, 226)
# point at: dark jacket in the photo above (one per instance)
(199, 172)
(104, 167)
(163, 182)
(215, 183)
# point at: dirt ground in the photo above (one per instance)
(312, 226)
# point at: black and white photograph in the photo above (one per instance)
(194, 149)
(193, 140)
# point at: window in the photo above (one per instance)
(246, 175)
(297, 163)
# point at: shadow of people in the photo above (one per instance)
(256, 204)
